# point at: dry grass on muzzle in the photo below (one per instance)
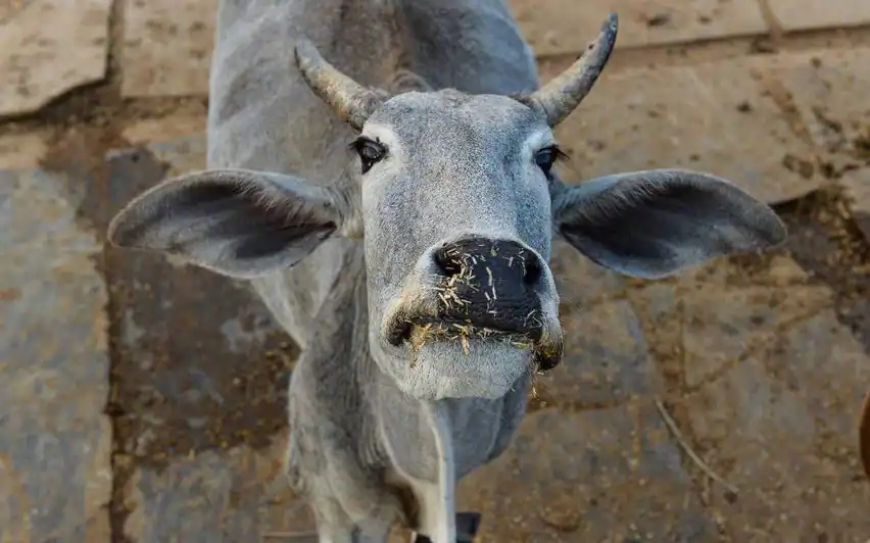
(423, 334)
(452, 301)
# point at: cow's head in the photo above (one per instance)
(456, 203)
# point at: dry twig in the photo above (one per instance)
(672, 426)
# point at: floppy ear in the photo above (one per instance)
(653, 223)
(238, 223)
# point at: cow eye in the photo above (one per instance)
(370, 152)
(546, 157)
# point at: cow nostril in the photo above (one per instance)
(446, 258)
(455, 258)
(533, 270)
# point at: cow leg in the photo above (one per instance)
(350, 503)
(349, 498)
(467, 525)
(335, 526)
(347, 507)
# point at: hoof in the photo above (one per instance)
(467, 525)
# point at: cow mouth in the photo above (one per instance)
(417, 330)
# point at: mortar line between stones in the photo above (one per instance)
(686, 438)
(116, 510)
(754, 347)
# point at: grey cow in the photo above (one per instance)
(394, 208)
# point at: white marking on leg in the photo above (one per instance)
(442, 496)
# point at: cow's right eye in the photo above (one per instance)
(370, 152)
(545, 158)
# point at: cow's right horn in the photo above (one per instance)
(351, 101)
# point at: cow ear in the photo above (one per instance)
(238, 223)
(654, 223)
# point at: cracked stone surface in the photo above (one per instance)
(814, 14)
(719, 325)
(827, 89)
(55, 442)
(21, 151)
(172, 128)
(48, 47)
(556, 26)
(773, 383)
(781, 426)
(600, 475)
(713, 117)
(233, 495)
(606, 359)
(167, 47)
(578, 279)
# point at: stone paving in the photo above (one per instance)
(49, 47)
(142, 400)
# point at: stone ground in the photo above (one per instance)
(143, 401)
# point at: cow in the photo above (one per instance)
(381, 172)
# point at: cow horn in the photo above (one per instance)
(352, 102)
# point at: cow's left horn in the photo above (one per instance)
(558, 98)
